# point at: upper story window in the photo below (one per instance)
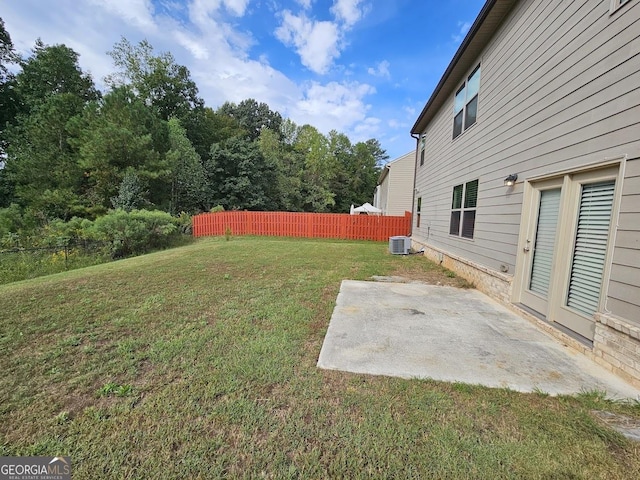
(465, 105)
(423, 140)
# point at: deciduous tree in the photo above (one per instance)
(287, 168)
(237, 176)
(157, 79)
(319, 169)
(253, 116)
(131, 193)
(188, 184)
(52, 70)
(8, 99)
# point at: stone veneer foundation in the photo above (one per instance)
(494, 284)
(616, 344)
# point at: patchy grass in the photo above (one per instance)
(199, 362)
(23, 265)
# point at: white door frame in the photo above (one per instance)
(572, 182)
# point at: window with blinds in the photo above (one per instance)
(594, 217)
(463, 209)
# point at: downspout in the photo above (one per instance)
(415, 173)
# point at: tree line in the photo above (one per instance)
(150, 142)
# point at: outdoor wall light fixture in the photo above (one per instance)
(510, 180)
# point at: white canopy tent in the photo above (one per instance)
(366, 208)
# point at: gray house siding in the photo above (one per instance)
(624, 285)
(559, 89)
(396, 184)
(558, 105)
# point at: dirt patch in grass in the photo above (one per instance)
(418, 268)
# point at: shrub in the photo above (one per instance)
(135, 232)
(185, 223)
(10, 219)
(59, 233)
(16, 226)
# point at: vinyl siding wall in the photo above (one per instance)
(559, 89)
(623, 295)
(396, 190)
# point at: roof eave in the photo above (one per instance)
(483, 29)
(384, 173)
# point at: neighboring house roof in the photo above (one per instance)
(384, 173)
(486, 25)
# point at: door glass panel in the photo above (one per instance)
(542, 263)
(590, 250)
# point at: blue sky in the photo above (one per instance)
(362, 67)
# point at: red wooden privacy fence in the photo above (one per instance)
(308, 225)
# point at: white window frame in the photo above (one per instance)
(464, 210)
(464, 88)
(616, 5)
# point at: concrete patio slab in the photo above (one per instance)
(414, 330)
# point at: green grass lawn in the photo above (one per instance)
(199, 362)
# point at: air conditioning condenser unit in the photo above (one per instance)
(399, 245)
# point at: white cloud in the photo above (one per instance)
(367, 128)
(171, 5)
(333, 105)
(347, 11)
(306, 4)
(395, 124)
(216, 54)
(137, 13)
(197, 49)
(315, 42)
(319, 43)
(213, 32)
(381, 70)
(410, 110)
(200, 10)
(464, 29)
(238, 7)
